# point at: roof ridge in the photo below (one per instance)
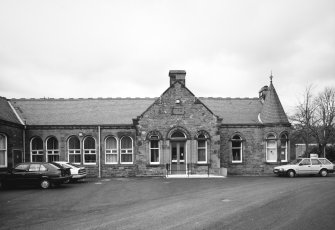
(81, 98)
(230, 98)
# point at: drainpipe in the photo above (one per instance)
(99, 163)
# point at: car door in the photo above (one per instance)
(33, 175)
(304, 167)
(316, 166)
(17, 174)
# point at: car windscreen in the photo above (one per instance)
(296, 161)
(73, 165)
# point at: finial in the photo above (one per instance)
(271, 77)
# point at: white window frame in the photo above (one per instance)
(205, 148)
(35, 152)
(159, 152)
(127, 151)
(90, 151)
(52, 152)
(5, 151)
(112, 151)
(286, 145)
(73, 152)
(240, 148)
(268, 148)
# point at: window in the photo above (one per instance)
(52, 149)
(3, 150)
(305, 162)
(316, 162)
(154, 149)
(236, 149)
(36, 149)
(34, 168)
(178, 134)
(111, 152)
(271, 148)
(90, 156)
(74, 150)
(202, 148)
(126, 150)
(22, 167)
(283, 147)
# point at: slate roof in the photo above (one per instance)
(120, 111)
(100, 111)
(272, 111)
(6, 112)
(235, 110)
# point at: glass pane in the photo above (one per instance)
(153, 144)
(75, 158)
(305, 162)
(74, 143)
(182, 154)
(38, 158)
(236, 144)
(177, 134)
(236, 154)
(201, 144)
(236, 137)
(201, 155)
(110, 143)
(37, 143)
(34, 167)
(272, 154)
(53, 158)
(52, 143)
(111, 158)
(2, 142)
(174, 153)
(126, 143)
(2, 157)
(154, 155)
(126, 158)
(90, 158)
(201, 136)
(272, 144)
(315, 162)
(89, 143)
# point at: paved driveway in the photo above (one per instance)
(158, 203)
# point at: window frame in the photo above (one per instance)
(90, 151)
(111, 150)
(73, 152)
(286, 146)
(36, 152)
(5, 150)
(151, 148)
(205, 139)
(127, 151)
(271, 137)
(240, 140)
(53, 152)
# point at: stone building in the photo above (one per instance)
(175, 133)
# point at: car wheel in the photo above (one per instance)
(291, 173)
(323, 172)
(45, 184)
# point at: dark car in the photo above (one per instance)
(37, 173)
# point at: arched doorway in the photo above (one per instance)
(178, 153)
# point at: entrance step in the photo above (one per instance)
(194, 176)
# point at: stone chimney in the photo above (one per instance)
(177, 75)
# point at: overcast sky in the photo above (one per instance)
(83, 48)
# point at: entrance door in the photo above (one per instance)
(178, 164)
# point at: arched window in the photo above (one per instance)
(178, 135)
(3, 150)
(236, 149)
(111, 153)
(202, 148)
(73, 150)
(154, 149)
(126, 150)
(90, 156)
(36, 149)
(283, 147)
(271, 148)
(52, 149)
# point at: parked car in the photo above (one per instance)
(306, 166)
(35, 173)
(77, 172)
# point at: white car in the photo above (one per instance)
(306, 166)
(77, 172)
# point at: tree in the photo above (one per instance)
(314, 119)
(304, 118)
